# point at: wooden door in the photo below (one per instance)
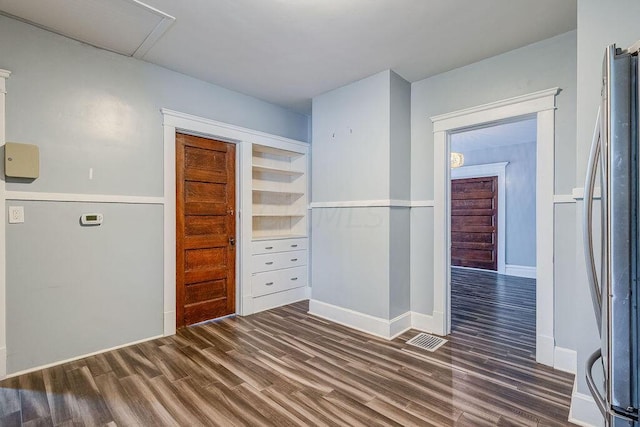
(474, 223)
(205, 229)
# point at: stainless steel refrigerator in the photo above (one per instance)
(614, 164)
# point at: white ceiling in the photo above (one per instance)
(498, 135)
(287, 51)
(93, 21)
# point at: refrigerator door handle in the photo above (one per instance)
(599, 399)
(607, 412)
(587, 226)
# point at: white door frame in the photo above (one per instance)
(542, 106)
(499, 170)
(177, 122)
(4, 75)
(244, 139)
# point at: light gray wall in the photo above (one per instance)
(350, 259)
(539, 66)
(599, 24)
(520, 183)
(400, 182)
(85, 107)
(351, 130)
(361, 152)
(73, 290)
(564, 276)
(350, 162)
(400, 149)
(399, 262)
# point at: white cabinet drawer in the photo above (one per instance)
(279, 245)
(277, 281)
(268, 262)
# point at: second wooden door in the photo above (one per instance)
(205, 229)
(474, 222)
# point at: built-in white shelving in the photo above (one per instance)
(277, 171)
(278, 246)
(279, 192)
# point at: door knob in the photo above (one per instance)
(232, 241)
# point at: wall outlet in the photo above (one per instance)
(16, 214)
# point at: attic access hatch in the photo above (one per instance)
(127, 27)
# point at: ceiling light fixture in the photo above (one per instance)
(457, 160)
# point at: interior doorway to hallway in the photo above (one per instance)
(541, 106)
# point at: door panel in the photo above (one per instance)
(474, 221)
(205, 229)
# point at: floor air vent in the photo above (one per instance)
(427, 342)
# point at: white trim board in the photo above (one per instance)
(565, 360)
(531, 103)
(85, 198)
(4, 75)
(387, 329)
(372, 325)
(383, 203)
(520, 271)
(584, 410)
(578, 193)
(540, 105)
(225, 131)
(563, 198)
(386, 203)
(422, 204)
(499, 170)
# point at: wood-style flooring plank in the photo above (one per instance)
(284, 367)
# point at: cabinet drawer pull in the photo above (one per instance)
(294, 278)
(294, 246)
(294, 259)
(269, 247)
(268, 284)
(269, 263)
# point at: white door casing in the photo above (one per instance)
(4, 75)
(542, 106)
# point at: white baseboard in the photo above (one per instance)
(72, 359)
(520, 271)
(247, 306)
(432, 324)
(545, 349)
(387, 329)
(584, 411)
(565, 360)
(278, 299)
(3, 362)
(169, 323)
(399, 325)
(423, 322)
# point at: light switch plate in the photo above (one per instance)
(16, 214)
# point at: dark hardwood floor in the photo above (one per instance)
(284, 367)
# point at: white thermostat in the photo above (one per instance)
(91, 219)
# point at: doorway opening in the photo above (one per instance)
(493, 234)
(540, 105)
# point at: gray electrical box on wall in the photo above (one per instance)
(21, 160)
